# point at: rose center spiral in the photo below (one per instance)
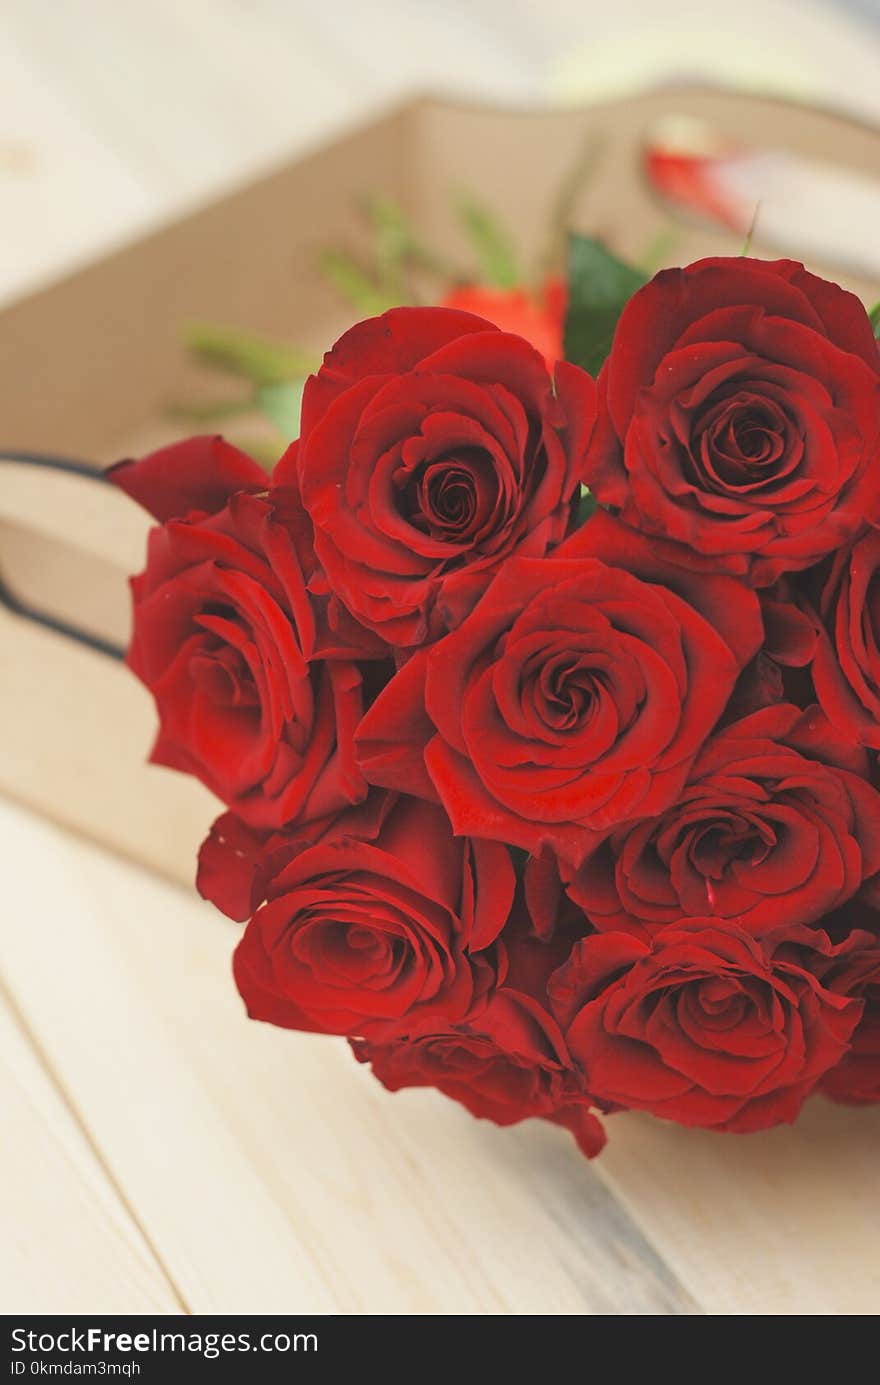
(743, 443)
(452, 498)
(566, 692)
(217, 667)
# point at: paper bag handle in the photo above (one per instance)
(21, 607)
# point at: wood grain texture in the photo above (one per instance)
(68, 1241)
(272, 1173)
(784, 1222)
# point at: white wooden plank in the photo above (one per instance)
(271, 1171)
(449, 47)
(190, 95)
(68, 1244)
(218, 1231)
(63, 190)
(784, 1222)
(117, 116)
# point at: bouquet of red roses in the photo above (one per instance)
(546, 708)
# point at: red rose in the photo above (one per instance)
(256, 696)
(791, 626)
(739, 415)
(508, 1065)
(366, 936)
(856, 972)
(704, 1025)
(237, 863)
(572, 699)
(765, 832)
(537, 317)
(780, 670)
(198, 474)
(846, 666)
(433, 446)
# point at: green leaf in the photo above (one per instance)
(586, 506)
(210, 410)
(492, 245)
(395, 241)
(355, 285)
(281, 404)
(399, 247)
(392, 225)
(599, 287)
(874, 319)
(256, 358)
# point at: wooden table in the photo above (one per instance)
(162, 1154)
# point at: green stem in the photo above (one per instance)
(256, 358)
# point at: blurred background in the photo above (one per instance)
(117, 115)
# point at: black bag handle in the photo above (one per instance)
(23, 609)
